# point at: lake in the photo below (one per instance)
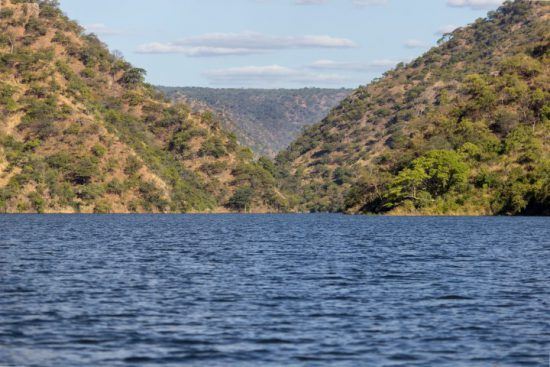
(273, 290)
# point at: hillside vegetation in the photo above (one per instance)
(266, 120)
(464, 129)
(80, 131)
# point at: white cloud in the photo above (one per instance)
(414, 43)
(369, 2)
(310, 2)
(101, 29)
(475, 4)
(254, 40)
(171, 48)
(270, 75)
(360, 3)
(376, 65)
(446, 29)
(245, 43)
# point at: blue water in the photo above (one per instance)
(274, 290)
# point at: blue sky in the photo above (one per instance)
(271, 43)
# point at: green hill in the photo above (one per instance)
(464, 129)
(267, 120)
(80, 131)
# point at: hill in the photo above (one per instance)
(463, 129)
(267, 120)
(80, 131)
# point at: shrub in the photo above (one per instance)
(35, 27)
(90, 192)
(133, 77)
(133, 165)
(6, 13)
(102, 207)
(152, 196)
(116, 187)
(37, 202)
(432, 175)
(99, 150)
(82, 171)
(213, 147)
(214, 168)
(241, 199)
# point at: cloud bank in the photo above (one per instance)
(360, 3)
(361, 67)
(320, 72)
(245, 43)
(475, 4)
(271, 75)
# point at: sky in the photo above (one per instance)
(271, 43)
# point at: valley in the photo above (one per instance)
(461, 130)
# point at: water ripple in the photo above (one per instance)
(273, 290)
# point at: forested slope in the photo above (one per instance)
(464, 129)
(80, 131)
(267, 120)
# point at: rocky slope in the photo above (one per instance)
(80, 131)
(464, 129)
(267, 120)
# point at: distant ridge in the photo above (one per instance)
(267, 120)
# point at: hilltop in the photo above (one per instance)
(463, 129)
(80, 131)
(267, 120)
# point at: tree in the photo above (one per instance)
(432, 175)
(241, 199)
(83, 171)
(480, 90)
(133, 76)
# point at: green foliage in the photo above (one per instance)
(462, 129)
(428, 177)
(342, 175)
(213, 147)
(116, 187)
(180, 140)
(41, 117)
(7, 102)
(79, 171)
(90, 192)
(37, 202)
(267, 120)
(99, 150)
(102, 207)
(82, 171)
(133, 165)
(35, 27)
(241, 199)
(6, 13)
(152, 197)
(480, 91)
(133, 77)
(214, 168)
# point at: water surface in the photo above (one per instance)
(238, 290)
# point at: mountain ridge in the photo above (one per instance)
(267, 120)
(463, 129)
(80, 131)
